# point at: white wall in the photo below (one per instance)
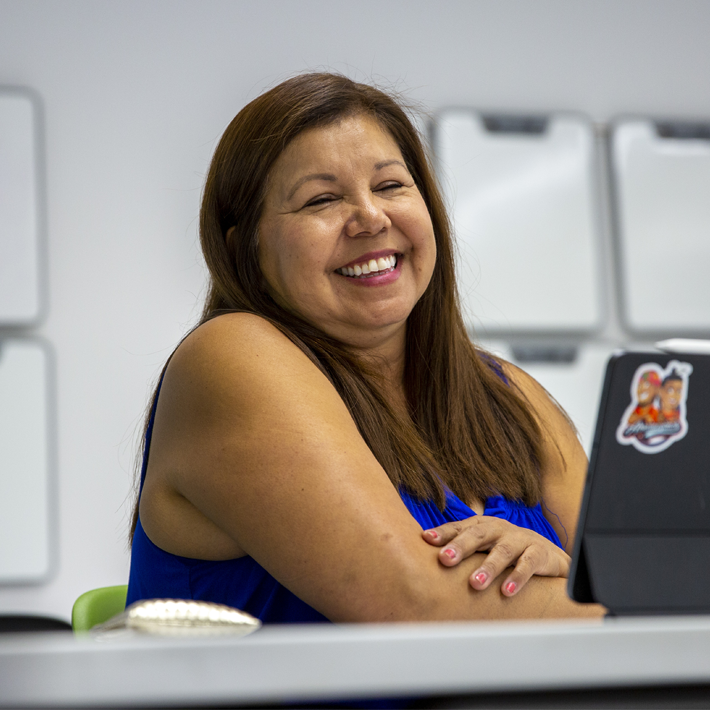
(137, 92)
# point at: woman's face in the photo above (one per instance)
(345, 239)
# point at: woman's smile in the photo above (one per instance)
(371, 269)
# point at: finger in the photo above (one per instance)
(479, 537)
(443, 533)
(502, 555)
(433, 537)
(535, 561)
(528, 564)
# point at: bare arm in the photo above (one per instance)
(256, 449)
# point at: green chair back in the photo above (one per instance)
(98, 605)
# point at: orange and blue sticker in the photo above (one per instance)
(656, 417)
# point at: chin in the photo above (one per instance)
(361, 333)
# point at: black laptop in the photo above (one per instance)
(643, 538)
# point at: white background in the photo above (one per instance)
(135, 95)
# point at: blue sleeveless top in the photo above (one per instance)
(244, 584)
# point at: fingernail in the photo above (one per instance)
(433, 534)
(511, 587)
(481, 577)
(450, 553)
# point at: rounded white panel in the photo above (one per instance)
(20, 301)
(663, 213)
(523, 207)
(25, 519)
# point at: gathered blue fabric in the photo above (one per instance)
(243, 583)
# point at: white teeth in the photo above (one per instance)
(370, 267)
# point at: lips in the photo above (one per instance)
(374, 266)
(372, 255)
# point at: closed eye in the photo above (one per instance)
(320, 200)
(388, 186)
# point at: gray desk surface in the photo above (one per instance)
(311, 663)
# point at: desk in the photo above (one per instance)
(318, 662)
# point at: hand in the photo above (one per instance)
(508, 545)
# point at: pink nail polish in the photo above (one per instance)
(511, 587)
(481, 577)
(433, 534)
(450, 553)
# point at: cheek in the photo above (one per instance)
(266, 263)
(273, 261)
(289, 263)
(426, 246)
(417, 225)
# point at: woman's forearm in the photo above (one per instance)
(444, 594)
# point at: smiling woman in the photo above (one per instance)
(328, 444)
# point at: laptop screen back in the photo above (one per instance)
(643, 539)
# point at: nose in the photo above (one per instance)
(367, 218)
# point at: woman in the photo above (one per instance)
(330, 405)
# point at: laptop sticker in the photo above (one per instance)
(656, 417)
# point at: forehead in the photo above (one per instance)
(355, 140)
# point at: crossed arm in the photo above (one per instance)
(255, 453)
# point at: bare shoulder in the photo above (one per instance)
(232, 343)
(239, 358)
(554, 421)
(236, 381)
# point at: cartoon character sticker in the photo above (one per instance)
(656, 417)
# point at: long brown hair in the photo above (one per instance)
(466, 429)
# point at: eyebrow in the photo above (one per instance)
(384, 164)
(329, 177)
